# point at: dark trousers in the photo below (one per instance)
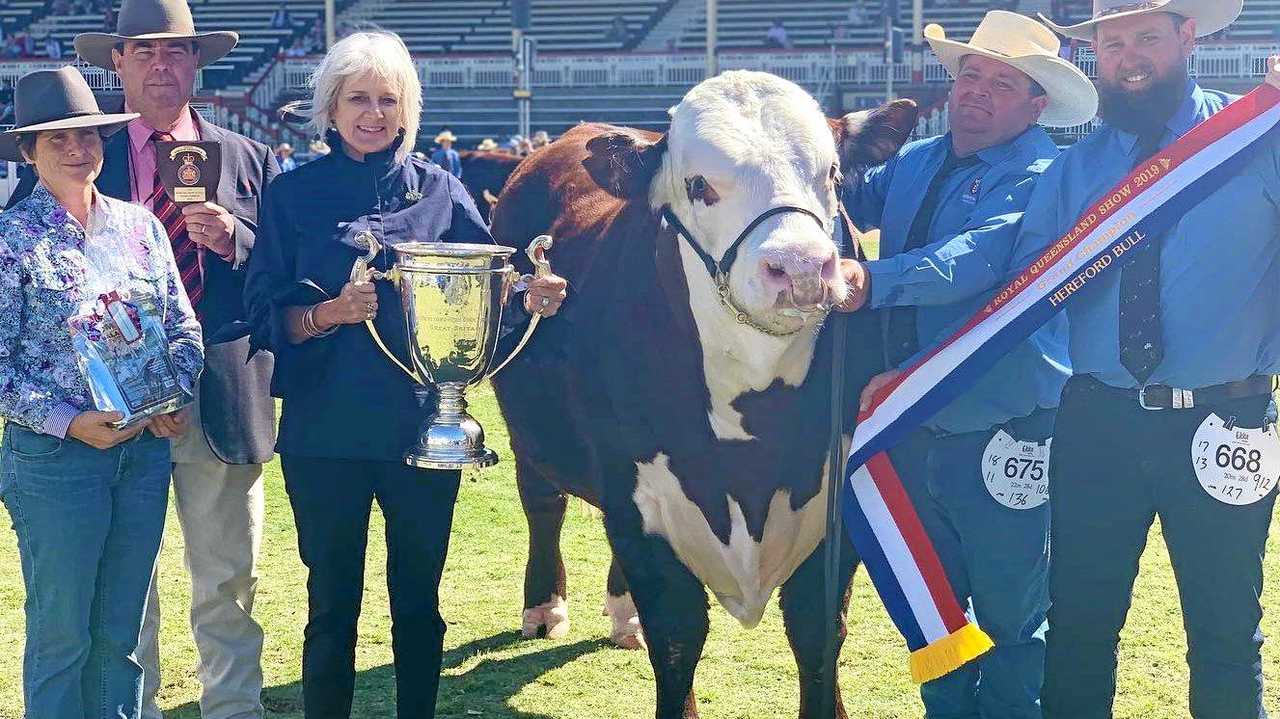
(1115, 467)
(331, 501)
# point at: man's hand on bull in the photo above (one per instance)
(858, 280)
(545, 294)
(1273, 71)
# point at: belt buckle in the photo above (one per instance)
(1178, 399)
(1142, 399)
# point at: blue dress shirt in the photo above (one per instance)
(970, 245)
(1219, 268)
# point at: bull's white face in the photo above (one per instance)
(740, 144)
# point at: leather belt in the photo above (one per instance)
(1159, 396)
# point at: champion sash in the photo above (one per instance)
(878, 515)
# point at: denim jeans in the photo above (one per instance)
(89, 523)
(997, 561)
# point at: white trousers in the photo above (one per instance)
(220, 510)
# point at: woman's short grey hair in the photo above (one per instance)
(382, 54)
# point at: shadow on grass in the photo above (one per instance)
(484, 690)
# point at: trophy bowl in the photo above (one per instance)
(452, 296)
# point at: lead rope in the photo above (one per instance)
(835, 484)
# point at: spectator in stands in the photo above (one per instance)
(280, 18)
(445, 156)
(217, 466)
(318, 148)
(108, 19)
(87, 500)
(298, 48)
(348, 412)
(776, 37)
(618, 31)
(52, 47)
(839, 33)
(540, 139)
(487, 145)
(284, 156)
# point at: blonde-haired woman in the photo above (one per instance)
(348, 412)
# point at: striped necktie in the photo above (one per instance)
(185, 252)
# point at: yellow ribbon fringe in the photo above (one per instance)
(949, 653)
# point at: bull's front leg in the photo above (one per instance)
(546, 599)
(809, 626)
(672, 605)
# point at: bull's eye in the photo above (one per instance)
(700, 190)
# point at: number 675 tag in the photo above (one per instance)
(1237, 465)
(1016, 473)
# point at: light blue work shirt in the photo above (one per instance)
(1219, 266)
(966, 258)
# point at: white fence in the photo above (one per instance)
(639, 70)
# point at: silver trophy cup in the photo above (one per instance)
(452, 296)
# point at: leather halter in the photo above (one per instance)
(719, 271)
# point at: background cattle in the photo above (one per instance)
(701, 433)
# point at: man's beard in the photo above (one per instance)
(1146, 111)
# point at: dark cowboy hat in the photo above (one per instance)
(55, 100)
(154, 20)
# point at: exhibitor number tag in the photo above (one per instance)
(1235, 465)
(1016, 473)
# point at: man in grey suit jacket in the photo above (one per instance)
(220, 446)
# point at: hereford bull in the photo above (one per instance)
(694, 412)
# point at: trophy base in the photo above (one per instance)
(451, 438)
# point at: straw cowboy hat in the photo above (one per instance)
(154, 20)
(284, 148)
(1025, 45)
(446, 136)
(1210, 15)
(55, 100)
(487, 145)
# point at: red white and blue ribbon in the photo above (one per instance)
(878, 515)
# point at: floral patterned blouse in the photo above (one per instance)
(49, 266)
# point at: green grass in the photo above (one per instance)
(490, 673)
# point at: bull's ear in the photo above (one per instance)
(624, 163)
(869, 137)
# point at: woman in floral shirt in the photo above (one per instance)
(87, 500)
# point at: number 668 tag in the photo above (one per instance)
(1016, 473)
(1237, 465)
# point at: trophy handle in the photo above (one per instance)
(361, 272)
(537, 253)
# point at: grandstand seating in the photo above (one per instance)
(250, 18)
(485, 25)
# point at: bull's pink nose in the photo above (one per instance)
(803, 278)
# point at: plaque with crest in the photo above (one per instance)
(190, 170)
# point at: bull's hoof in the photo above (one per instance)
(625, 632)
(549, 620)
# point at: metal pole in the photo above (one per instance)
(523, 48)
(917, 22)
(888, 56)
(713, 27)
(330, 29)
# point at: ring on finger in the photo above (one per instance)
(545, 301)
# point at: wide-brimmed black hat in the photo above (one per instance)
(154, 20)
(55, 100)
